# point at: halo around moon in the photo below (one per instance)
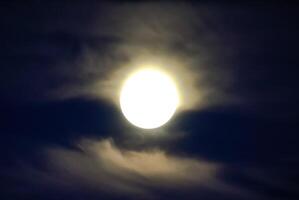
(149, 98)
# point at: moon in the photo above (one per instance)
(149, 98)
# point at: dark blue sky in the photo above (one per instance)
(254, 141)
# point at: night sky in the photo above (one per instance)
(64, 136)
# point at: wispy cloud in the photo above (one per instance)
(102, 169)
(99, 168)
(172, 37)
(102, 166)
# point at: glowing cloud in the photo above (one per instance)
(169, 41)
(101, 166)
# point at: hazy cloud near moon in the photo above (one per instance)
(101, 166)
(177, 41)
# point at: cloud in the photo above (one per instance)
(102, 166)
(173, 38)
(91, 49)
(101, 169)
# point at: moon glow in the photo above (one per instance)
(149, 98)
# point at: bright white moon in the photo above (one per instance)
(149, 98)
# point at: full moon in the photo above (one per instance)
(149, 98)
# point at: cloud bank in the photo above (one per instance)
(100, 169)
(101, 166)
